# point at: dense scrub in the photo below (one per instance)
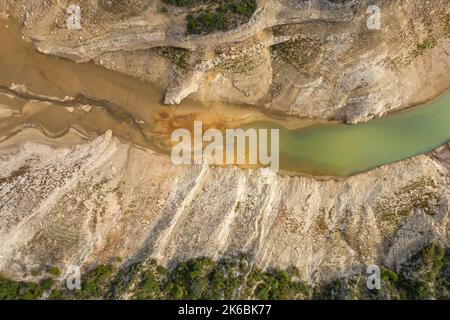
(425, 276)
(12, 290)
(215, 15)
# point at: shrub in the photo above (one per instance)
(54, 271)
(227, 14)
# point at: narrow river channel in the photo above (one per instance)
(56, 94)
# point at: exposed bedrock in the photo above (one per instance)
(314, 59)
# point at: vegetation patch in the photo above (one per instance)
(297, 53)
(54, 271)
(12, 290)
(215, 15)
(428, 43)
(427, 274)
(177, 56)
(424, 276)
(421, 194)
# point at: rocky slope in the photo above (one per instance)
(312, 58)
(108, 202)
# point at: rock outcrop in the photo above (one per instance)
(315, 59)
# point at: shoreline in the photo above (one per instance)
(73, 136)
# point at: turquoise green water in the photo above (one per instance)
(344, 150)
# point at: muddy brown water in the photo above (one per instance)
(129, 107)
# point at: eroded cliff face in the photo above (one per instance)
(106, 201)
(314, 59)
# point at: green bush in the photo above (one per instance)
(207, 22)
(8, 289)
(95, 284)
(12, 290)
(54, 271)
(227, 14)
